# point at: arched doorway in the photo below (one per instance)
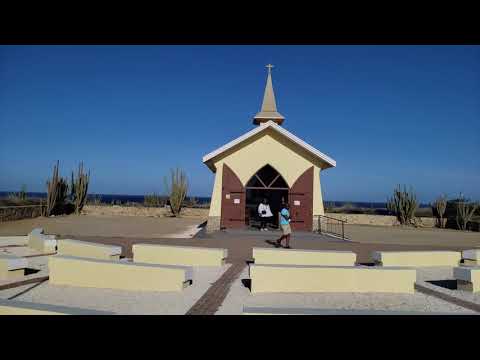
(266, 183)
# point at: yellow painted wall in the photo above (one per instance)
(418, 258)
(303, 257)
(86, 249)
(178, 255)
(216, 201)
(94, 273)
(288, 278)
(267, 147)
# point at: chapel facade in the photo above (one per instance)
(266, 162)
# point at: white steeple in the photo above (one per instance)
(269, 106)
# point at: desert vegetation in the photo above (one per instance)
(154, 200)
(465, 211)
(20, 196)
(403, 204)
(438, 209)
(176, 187)
(94, 200)
(79, 188)
(59, 201)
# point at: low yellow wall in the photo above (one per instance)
(417, 258)
(83, 272)
(178, 255)
(88, 249)
(289, 278)
(472, 254)
(11, 274)
(41, 242)
(470, 275)
(303, 257)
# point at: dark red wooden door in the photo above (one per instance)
(300, 199)
(233, 200)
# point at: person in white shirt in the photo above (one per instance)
(265, 214)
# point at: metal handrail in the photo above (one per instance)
(331, 228)
(332, 218)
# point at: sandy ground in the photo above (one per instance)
(13, 241)
(19, 250)
(103, 226)
(240, 297)
(411, 236)
(118, 301)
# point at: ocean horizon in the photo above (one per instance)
(125, 198)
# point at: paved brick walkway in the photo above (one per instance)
(211, 301)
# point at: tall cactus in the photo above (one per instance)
(465, 211)
(80, 188)
(176, 189)
(52, 191)
(438, 209)
(403, 204)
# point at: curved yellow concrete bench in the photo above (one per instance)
(417, 258)
(468, 278)
(96, 273)
(303, 257)
(12, 267)
(178, 255)
(471, 257)
(39, 241)
(13, 307)
(87, 249)
(305, 278)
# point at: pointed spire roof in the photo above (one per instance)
(269, 106)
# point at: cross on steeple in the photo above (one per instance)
(269, 106)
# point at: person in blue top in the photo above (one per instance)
(285, 226)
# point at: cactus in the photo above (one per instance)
(465, 211)
(80, 188)
(403, 204)
(152, 200)
(95, 200)
(438, 209)
(52, 191)
(19, 197)
(22, 195)
(176, 190)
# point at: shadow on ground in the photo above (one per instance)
(30, 271)
(247, 283)
(447, 284)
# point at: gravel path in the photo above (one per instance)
(240, 296)
(441, 280)
(19, 251)
(13, 240)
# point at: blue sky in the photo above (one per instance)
(386, 114)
